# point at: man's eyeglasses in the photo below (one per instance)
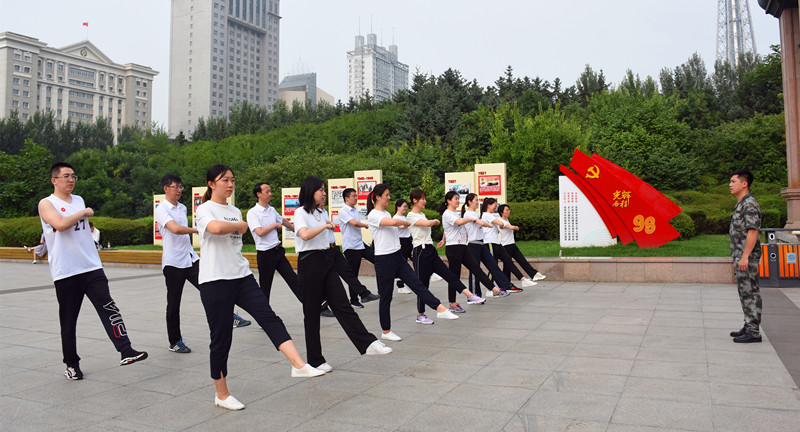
(176, 187)
(67, 177)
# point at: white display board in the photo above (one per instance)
(579, 223)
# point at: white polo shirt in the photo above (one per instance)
(260, 217)
(351, 234)
(385, 239)
(304, 220)
(222, 254)
(177, 248)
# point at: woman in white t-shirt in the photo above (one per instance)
(456, 249)
(390, 263)
(319, 279)
(401, 206)
(491, 240)
(510, 245)
(425, 258)
(226, 280)
(478, 249)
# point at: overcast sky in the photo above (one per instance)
(478, 38)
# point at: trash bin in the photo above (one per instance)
(779, 265)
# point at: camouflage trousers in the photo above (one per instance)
(750, 297)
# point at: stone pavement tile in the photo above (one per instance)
(498, 398)
(25, 380)
(303, 400)
(118, 401)
(252, 418)
(670, 370)
(56, 419)
(675, 340)
(783, 398)
(587, 383)
(624, 320)
(475, 356)
(411, 389)
(571, 405)
(176, 383)
(605, 351)
(676, 321)
(720, 340)
(32, 358)
(572, 315)
(14, 409)
(598, 365)
(129, 374)
(762, 376)
(620, 328)
(762, 359)
(62, 391)
(488, 343)
(612, 427)
(117, 425)
(450, 418)
(613, 339)
(528, 423)
(667, 389)
(567, 326)
(543, 347)
(556, 335)
(663, 414)
(527, 361)
(510, 377)
(11, 370)
(336, 426)
(493, 333)
(376, 412)
(734, 418)
(176, 413)
(390, 364)
(440, 371)
(690, 332)
(351, 382)
(440, 341)
(689, 306)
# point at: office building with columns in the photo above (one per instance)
(76, 82)
(222, 52)
(374, 69)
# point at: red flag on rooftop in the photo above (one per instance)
(86, 23)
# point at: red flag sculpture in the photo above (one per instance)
(630, 208)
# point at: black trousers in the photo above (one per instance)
(427, 262)
(319, 280)
(218, 298)
(499, 253)
(406, 248)
(70, 292)
(513, 251)
(388, 267)
(353, 258)
(275, 259)
(458, 255)
(175, 279)
(482, 253)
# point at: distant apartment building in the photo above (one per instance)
(375, 69)
(76, 82)
(302, 87)
(221, 53)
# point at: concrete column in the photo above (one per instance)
(790, 55)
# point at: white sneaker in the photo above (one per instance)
(527, 282)
(378, 348)
(435, 278)
(404, 290)
(325, 367)
(489, 294)
(538, 277)
(392, 336)
(306, 371)
(446, 315)
(34, 262)
(229, 403)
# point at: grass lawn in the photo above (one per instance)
(700, 246)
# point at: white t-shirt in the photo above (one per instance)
(351, 234)
(506, 234)
(260, 217)
(453, 234)
(177, 248)
(404, 232)
(490, 234)
(304, 220)
(385, 239)
(95, 235)
(222, 254)
(72, 251)
(420, 235)
(474, 231)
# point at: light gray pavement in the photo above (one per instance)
(560, 356)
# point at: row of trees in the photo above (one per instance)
(685, 130)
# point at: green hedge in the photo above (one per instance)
(27, 230)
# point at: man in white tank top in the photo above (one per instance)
(77, 270)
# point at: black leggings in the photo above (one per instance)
(499, 253)
(515, 253)
(427, 262)
(388, 267)
(481, 252)
(458, 255)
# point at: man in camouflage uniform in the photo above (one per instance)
(746, 253)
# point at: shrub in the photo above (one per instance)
(28, 230)
(684, 224)
(537, 220)
(771, 218)
(20, 231)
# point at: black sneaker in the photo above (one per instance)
(240, 322)
(326, 313)
(356, 304)
(73, 373)
(747, 338)
(400, 284)
(132, 356)
(739, 332)
(514, 289)
(369, 297)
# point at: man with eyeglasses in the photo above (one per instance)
(179, 262)
(77, 271)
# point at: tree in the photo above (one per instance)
(590, 83)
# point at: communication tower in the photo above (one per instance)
(734, 30)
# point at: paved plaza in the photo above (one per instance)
(558, 357)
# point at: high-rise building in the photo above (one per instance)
(373, 68)
(221, 53)
(76, 82)
(303, 87)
